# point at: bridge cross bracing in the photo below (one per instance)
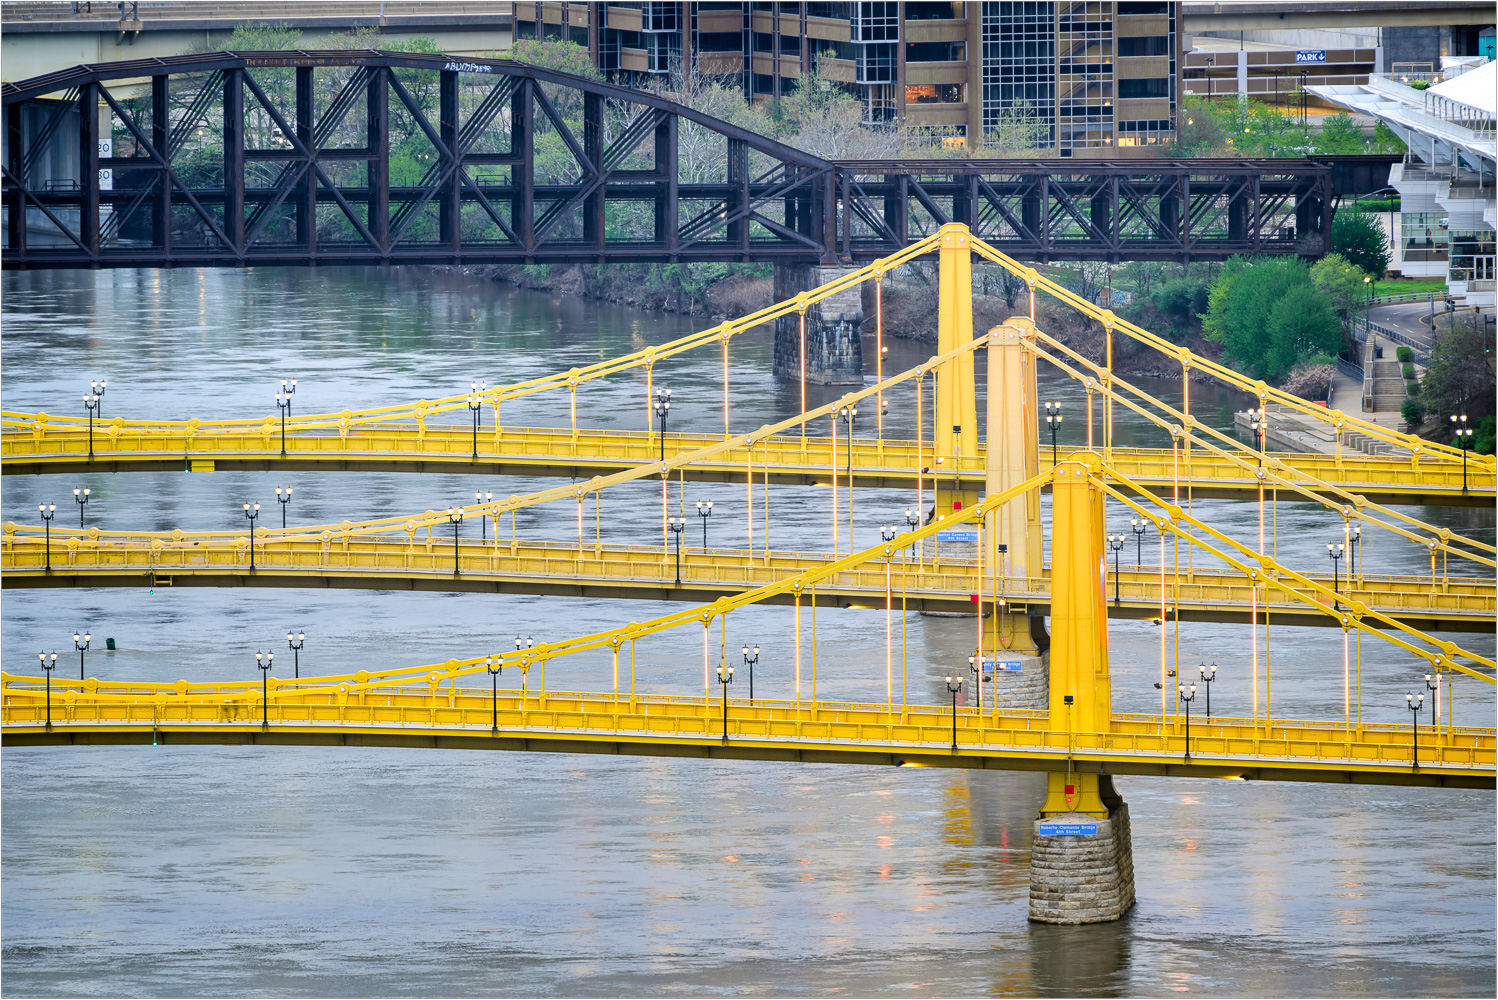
(1076, 615)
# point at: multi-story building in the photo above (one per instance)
(1089, 78)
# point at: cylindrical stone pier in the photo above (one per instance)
(1081, 858)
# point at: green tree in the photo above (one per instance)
(1268, 315)
(1458, 379)
(565, 57)
(1343, 283)
(1358, 237)
(1340, 134)
(1201, 129)
(263, 38)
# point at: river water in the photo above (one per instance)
(339, 872)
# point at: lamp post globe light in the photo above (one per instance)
(847, 414)
(954, 684)
(1053, 420)
(1463, 436)
(50, 665)
(1187, 699)
(283, 403)
(1433, 686)
(251, 511)
(47, 511)
(1139, 528)
(887, 532)
(82, 647)
(1335, 551)
(1354, 545)
(296, 640)
(495, 666)
(96, 390)
(476, 406)
(662, 411)
(455, 518)
(677, 525)
(1208, 675)
(284, 499)
(1258, 425)
(749, 664)
(704, 511)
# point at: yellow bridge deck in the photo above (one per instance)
(425, 562)
(442, 715)
(785, 459)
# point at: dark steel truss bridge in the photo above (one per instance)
(339, 157)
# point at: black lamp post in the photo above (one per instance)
(847, 414)
(1463, 435)
(1053, 419)
(913, 521)
(1415, 703)
(662, 410)
(483, 498)
(264, 661)
(90, 403)
(1368, 302)
(80, 497)
(455, 518)
(1335, 552)
(283, 403)
(50, 665)
(48, 512)
(82, 648)
(1139, 528)
(284, 499)
(476, 404)
(954, 684)
(979, 677)
(96, 390)
(677, 526)
(1115, 542)
(1259, 426)
(1187, 699)
(704, 511)
(252, 511)
(296, 651)
(1435, 700)
(1352, 553)
(1208, 675)
(749, 662)
(725, 678)
(495, 668)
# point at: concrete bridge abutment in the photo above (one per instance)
(832, 352)
(1081, 852)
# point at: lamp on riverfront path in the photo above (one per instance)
(90, 403)
(1208, 674)
(1334, 552)
(48, 511)
(495, 668)
(704, 511)
(662, 410)
(677, 526)
(296, 651)
(284, 499)
(455, 518)
(47, 668)
(954, 684)
(1415, 703)
(264, 661)
(1187, 699)
(1053, 419)
(252, 511)
(82, 648)
(725, 678)
(1115, 542)
(749, 662)
(80, 497)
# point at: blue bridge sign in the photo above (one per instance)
(1067, 829)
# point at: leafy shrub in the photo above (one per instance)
(1408, 371)
(1411, 412)
(1412, 387)
(1309, 381)
(1404, 353)
(1483, 440)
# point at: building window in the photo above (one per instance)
(1472, 255)
(876, 63)
(934, 93)
(1144, 45)
(934, 52)
(875, 22)
(1148, 87)
(1423, 236)
(1019, 65)
(1126, 7)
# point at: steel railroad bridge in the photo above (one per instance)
(338, 157)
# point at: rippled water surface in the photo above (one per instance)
(267, 871)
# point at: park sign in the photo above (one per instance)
(1310, 56)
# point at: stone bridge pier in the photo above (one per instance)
(834, 350)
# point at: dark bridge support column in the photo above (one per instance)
(834, 350)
